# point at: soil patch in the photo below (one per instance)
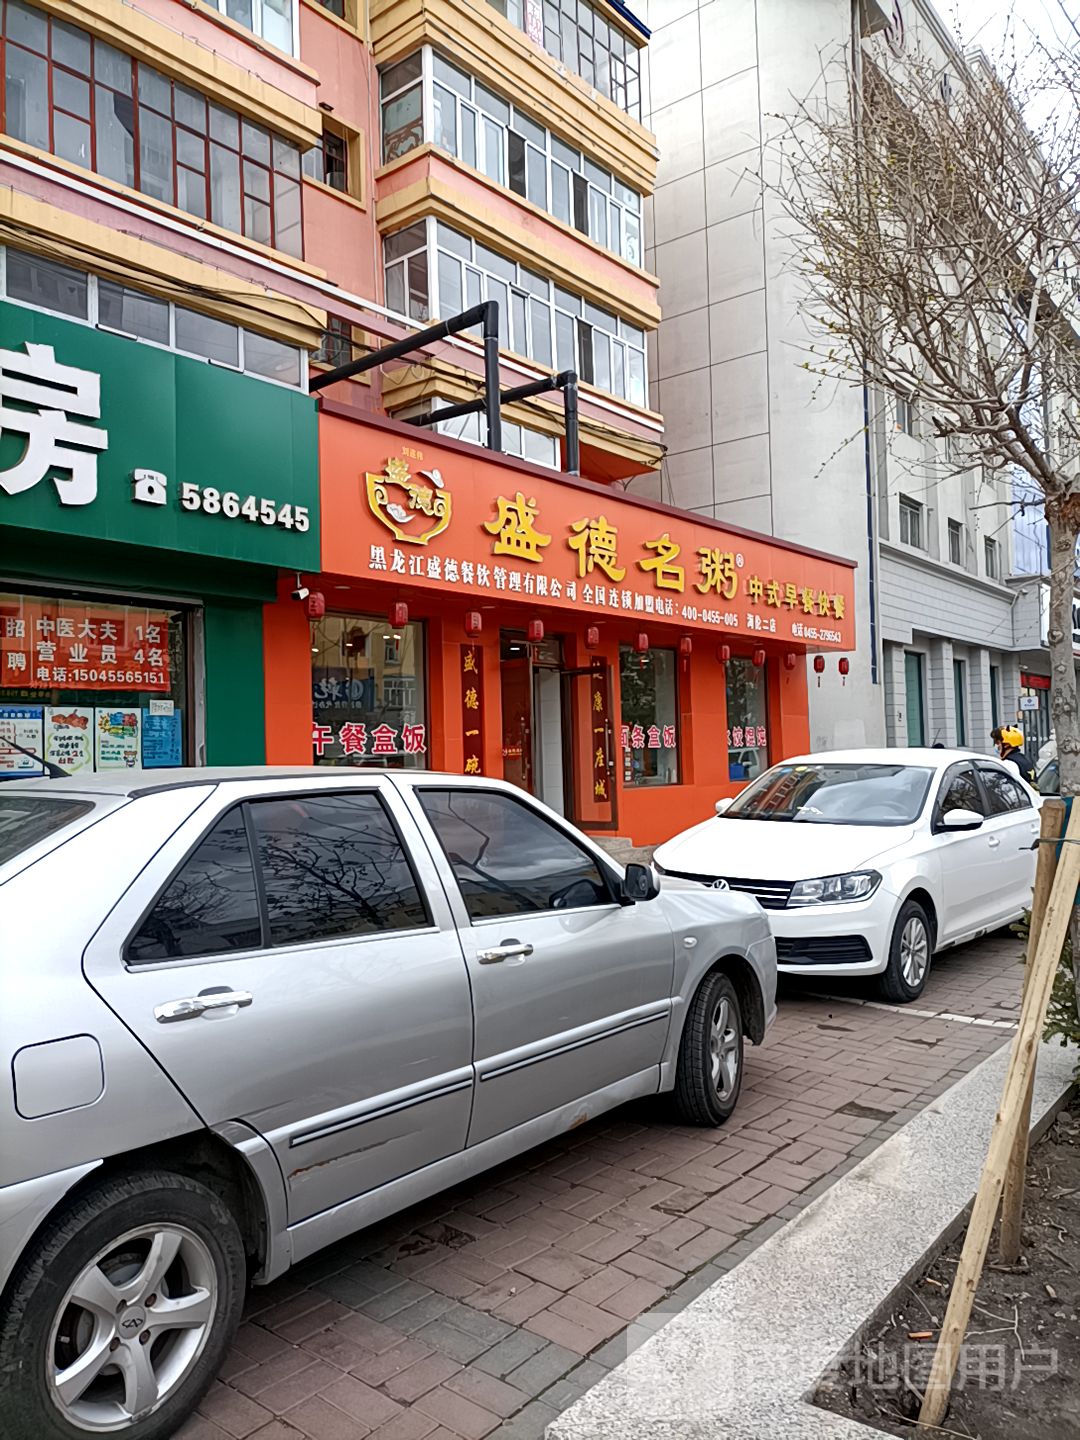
(1019, 1374)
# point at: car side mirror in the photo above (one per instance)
(961, 820)
(722, 806)
(640, 883)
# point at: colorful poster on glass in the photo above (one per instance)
(45, 644)
(161, 738)
(20, 725)
(69, 737)
(117, 735)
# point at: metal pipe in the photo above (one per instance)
(465, 321)
(570, 413)
(506, 397)
(492, 404)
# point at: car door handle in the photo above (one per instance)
(993, 841)
(193, 1005)
(506, 951)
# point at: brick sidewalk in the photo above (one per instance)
(490, 1308)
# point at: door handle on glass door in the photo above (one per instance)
(506, 951)
(194, 1005)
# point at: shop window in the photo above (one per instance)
(747, 718)
(649, 703)
(368, 692)
(91, 686)
(96, 106)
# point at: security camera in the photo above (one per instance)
(301, 592)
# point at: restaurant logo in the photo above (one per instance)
(414, 511)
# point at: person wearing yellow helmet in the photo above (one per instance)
(1010, 746)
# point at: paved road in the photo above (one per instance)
(487, 1310)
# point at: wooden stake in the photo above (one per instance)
(1012, 1204)
(1006, 1123)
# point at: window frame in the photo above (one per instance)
(93, 321)
(626, 651)
(523, 801)
(991, 558)
(603, 190)
(135, 92)
(257, 9)
(956, 532)
(987, 767)
(912, 515)
(519, 282)
(907, 419)
(372, 787)
(945, 784)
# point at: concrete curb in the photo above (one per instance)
(739, 1361)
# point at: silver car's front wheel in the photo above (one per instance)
(131, 1327)
(119, 1316)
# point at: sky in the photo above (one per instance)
(984, 21)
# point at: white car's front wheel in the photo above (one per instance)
(910, 950)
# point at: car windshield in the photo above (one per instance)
(824, 794)
(26, 819)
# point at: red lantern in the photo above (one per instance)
(641, 643)
(686, 646)
(474, 622)
(399, 614)
(759, 658)
(592, 637)
(819, 668)
(723, 653)
(535, 631)
(790, 660)
(315, 605)
(844, 666)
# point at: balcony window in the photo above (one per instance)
(273, 20)
(46, 285)
(491, 135)
(579, 35)
(433, 271)
(94, 105)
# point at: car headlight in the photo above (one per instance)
(835, 889)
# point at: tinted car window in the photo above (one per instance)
(333, 865)
(1003, 792)
(508, 860)
(211, 905)
(26, 819)
(961, 792)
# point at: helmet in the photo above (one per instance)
(1012, 737)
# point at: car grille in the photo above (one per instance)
(770, 894)
(822, 949)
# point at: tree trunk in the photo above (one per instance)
(1063, 520)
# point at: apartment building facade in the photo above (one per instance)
(206, 208)
(755, 437)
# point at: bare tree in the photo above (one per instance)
(932, 205)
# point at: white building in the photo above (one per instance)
(756, 440)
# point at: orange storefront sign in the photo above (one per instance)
(438, 518)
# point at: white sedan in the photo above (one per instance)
(870, 861)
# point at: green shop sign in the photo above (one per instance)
(114, 440)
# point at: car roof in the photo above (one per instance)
(893, 755)
(140, 782)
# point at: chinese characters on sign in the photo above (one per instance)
(655, 737)
(472, 708)
(377, 742)
(748, 737)
(46, 644)
(598, 689)
(598, 556)
(59, 437)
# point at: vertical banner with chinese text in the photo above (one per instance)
(472, 708)
(601, 774)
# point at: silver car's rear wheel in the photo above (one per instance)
(131, 1327)
(117, 1317)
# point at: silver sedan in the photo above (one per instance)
(247, 1013)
